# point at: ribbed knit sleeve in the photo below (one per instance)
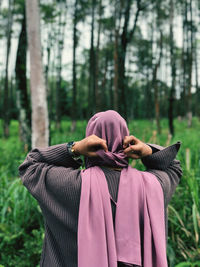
(53, 155)
(35, 170)
(162, 156)
(167, 169)
(163, 164)
(51, 176)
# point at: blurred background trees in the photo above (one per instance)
(140, 58)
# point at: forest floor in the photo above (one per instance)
(21, 222)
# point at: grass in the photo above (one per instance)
(21, 222)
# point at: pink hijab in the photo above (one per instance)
(139, 235)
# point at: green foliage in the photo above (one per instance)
(21, 222)
(48, 12)
(188, 264)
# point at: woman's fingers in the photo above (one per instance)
(94, 143)
(132, 154)
(129, 140)
(138, 150)
(97, 143)
(104, 145)
(89, 145)
(133, 149)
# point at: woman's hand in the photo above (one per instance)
(135, 149)
(89, 146)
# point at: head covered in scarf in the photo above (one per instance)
(110, 126)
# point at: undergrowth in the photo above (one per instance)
(21, 222)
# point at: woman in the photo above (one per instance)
(110, 214)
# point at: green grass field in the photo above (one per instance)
(21, 222)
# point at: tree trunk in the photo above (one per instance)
(173, 72)
(62, 23)
(197, 109)
(21, 87)
(48, 89)
(6, 116)
(184, 63)
(53, 88)
(148, 97)
(103, 85)
(125, 39)
(188, 51)
(74, 104)
(116, 55)
(92, 70)
(155, 86)
(116, 71)
(190, 68)
(122, 59)
(97, 89)
(40, 122)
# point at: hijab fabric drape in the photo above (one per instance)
(139, 234)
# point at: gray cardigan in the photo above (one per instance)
(53, 178)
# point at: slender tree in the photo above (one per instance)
(125, 38)
(74, 92)
(188, 58)
(117, 18)
(97, 88)
(21, 86)
(197, 109)
(40, 122)
(155, 84)
(190, 52)
(173, 71)
(6, 115)
(60, 42)
(92, 66)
